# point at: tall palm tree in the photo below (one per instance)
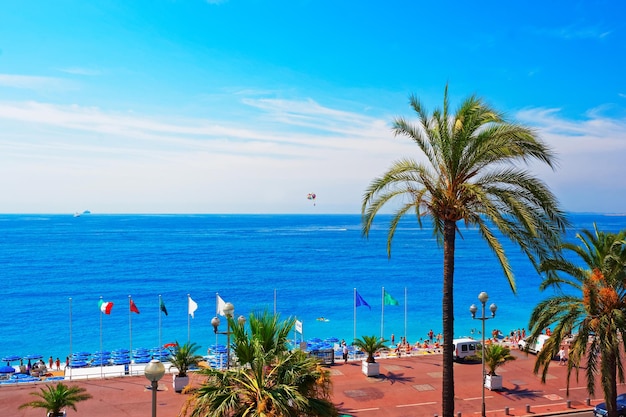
(594, 309)
(54, 398)
(471, 174)
(271, 381)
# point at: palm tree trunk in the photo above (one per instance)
(449, 235)
(610, 384)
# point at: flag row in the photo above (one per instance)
(107, 306)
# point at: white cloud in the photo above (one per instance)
(32, 82)
(81, 71)
(69, 157)
(115, 162)
(591, 154)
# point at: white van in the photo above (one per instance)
(533, 347)
(464, 348)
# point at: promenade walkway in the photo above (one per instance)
(408, 386)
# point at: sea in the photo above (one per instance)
(57, 268)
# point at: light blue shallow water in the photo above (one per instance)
(312, 263)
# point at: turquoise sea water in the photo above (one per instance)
(311, 262)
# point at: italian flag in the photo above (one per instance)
(105, 306)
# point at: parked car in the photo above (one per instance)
(600, 409)
(536, 347)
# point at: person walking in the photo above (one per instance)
(345, 353)
(562, 358)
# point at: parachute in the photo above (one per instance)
(311, 196)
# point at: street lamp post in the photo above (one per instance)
(483, 297)
(154, 371)
(229, 310)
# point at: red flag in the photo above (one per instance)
(133, 307)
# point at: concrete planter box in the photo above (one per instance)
(370, 369)
(493, 382)
(180, 382)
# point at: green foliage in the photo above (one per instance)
(265, 329)
(593, 309)
(271, 380)
(496, 355)
(370, 345)
(183, 357)
(472, 172)
(54, 398)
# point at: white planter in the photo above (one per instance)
(180, 382)
(370, 369)
(493, 382)
(63, 414)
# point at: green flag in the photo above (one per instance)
(389, 300)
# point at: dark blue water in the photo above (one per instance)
(311, 262)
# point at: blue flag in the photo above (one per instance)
(360, 301)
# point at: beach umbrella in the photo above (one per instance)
(11, 358)
(33, 356)
(78, 364)
(6, 369)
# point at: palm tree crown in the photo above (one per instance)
(54, 398)
(471, 174)
(591, 303)
(271, 381)
(182, 357)
(370, 345)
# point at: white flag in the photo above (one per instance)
(220, 306)
(193, 306)
(299, 326)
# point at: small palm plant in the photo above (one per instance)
(184, 356)
(370, 345)
(495, 356)
(54, 398)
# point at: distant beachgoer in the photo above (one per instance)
(548, 331)
(562, 358)
(345, 353)
(50, 362)
(58, 364)
(67, 361)
(393, 339)
(431, 335)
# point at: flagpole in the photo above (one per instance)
(382, 316)
(100, 339)
(354, 305)
(216, 314)
(130, 324)
(405, 310)
(188, 319)
(70, 354)
(159, 313)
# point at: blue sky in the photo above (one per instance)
(234, 106)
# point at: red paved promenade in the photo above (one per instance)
(408, 386)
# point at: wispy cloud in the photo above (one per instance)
(81, 71)
(32, 82)
(574, 32)
(590, 157)
(294, 146)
